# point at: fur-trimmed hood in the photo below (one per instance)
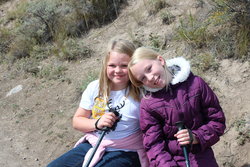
(180, 69)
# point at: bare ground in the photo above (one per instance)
(36, 122)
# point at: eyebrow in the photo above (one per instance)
(122, 64)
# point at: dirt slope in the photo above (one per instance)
(36, 122)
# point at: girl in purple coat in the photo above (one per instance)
(171, 93)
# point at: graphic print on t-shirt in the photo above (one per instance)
(99, 108)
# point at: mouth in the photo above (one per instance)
(157, 80)
(119, 76)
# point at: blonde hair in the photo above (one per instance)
(120, 46)
(143, 53)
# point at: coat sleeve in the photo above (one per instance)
(153, 139)
(209, 133)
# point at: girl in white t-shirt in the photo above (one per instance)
(122, 145)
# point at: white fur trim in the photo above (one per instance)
(180, 76)
(151, 89)
(183, 74)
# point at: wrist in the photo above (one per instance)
(195, 141)
(96, 124)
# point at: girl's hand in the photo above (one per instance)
(107, 120)
(183, 137)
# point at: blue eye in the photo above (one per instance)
(124, 66)
(111, 65)
(149, 68)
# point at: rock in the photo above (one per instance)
(15, 90)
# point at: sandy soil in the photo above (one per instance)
(36, 122)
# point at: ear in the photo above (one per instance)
(161, 59)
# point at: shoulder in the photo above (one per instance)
(92, 88)
(94, 84)
(89, 94)
(151, 101)
(196, 80)
(193, 85)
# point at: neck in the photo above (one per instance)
(118, 87)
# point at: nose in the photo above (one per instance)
(149, 77)
(118, 69)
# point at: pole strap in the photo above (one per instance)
(97, 123)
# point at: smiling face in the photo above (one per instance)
(150, 73)
(117, 70)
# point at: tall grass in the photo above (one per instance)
(192, 31)
(235, 14)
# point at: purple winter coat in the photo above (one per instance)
(193, 102)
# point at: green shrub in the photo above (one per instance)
(243, 131)
(243, 41)
(223, 44)
(36, 25)
(41, 22)
(167, 17)
(20, 48)
(193, 32)
(204, 62)
(28, 66)
(235, 14)
(155, 41)
(6, 39)
(95, 13)
(45, 20)
(41, 52)
(3, 1)
(154, 6)
(71, 49)
(19, 11)
(136, 38)
(52, 72)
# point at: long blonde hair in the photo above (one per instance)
(120, 46)
(143, 53)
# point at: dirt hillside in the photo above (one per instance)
(36, 121)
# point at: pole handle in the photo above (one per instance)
(180, 126)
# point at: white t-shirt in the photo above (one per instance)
(129, 122)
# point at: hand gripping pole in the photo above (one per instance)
(181, 126)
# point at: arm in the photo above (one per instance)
(154, 140)
(83, 122)
(214, 125)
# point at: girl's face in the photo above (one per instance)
(150, 73)
(117, 71)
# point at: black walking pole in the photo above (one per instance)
(104, 131)
(180, 126)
